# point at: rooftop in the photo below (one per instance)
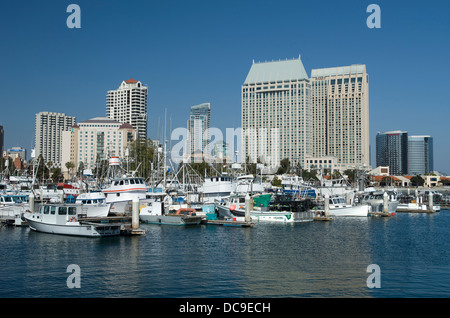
(341, 70)
(102, 120)
(273, 71)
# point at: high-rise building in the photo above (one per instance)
(340, 115)
(392, 151)
(48, 142)
(276, 113)
(96, 139)
(420, 153)
(198, 132)
(128, 104)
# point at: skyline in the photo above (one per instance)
(201, 51)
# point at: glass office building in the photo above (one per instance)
(392, 151)
(198, 132)
(420, 153)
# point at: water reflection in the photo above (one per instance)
(316, 259)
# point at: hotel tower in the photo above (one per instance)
(275, 113)
(340, 115)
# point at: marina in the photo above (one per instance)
(316, 231)
(304, 260)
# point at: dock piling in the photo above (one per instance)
(31, 202)
(135, 214)
(247, 208)
(385, 202)
(327, 205)
(430, 201)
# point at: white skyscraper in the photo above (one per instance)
(49, 128)
(128, 104)
(276, 113)
(340, 115)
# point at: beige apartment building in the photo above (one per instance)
(49, 129)
(128, 104)
(340, 115)
(94, 140)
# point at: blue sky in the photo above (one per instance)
(190, 52)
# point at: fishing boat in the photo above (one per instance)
(12, 207)
(216, 188)
(261, 211)
(375, 200)
(121, 192)
(154, 213)
(246, 184)
(339, 207)
(68, 219)
(93, 204)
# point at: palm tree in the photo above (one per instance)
(70, 165)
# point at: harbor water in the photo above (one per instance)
(314, 259)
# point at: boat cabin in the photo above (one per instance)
(128, 181)
(59, 213)
(13, 199)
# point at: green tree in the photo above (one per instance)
(141, 153)
(284, 166)
(276, 182)
(417, 181)
(42, 173)
(57, 174)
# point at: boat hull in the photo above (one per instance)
(171, 219)
(357, 210)
(267, 216)
(73, 229)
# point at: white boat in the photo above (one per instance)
(216, 188)
(339, 207)
(93, 204)
(154, 213)
(122, 191)
(67, 219)
(234, 207)
(12, 207)
(415, 206)
(266, 215)
(246, 184)
(375, 200)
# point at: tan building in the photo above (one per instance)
(94, 140)
(340, 114)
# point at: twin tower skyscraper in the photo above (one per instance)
(316, 122)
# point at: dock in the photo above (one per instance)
(381, 214)
(322, 218)
(415, 211)
(125, 228)
(227, 223)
